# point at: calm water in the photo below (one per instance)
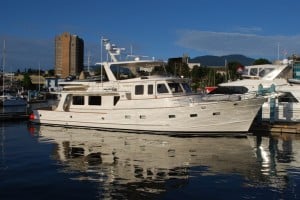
(57, 163)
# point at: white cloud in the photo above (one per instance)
(224, 43)
(252, 29)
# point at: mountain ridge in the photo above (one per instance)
(210, 60)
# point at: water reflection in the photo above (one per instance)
(127, 164)
(13, 109)
(278, 156)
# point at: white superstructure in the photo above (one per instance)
(134, 96)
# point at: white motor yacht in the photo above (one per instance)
(283, 96)
(134, 96)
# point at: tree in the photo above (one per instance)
(27, 84)
(233, 70)
(261, 61)
(51, 72)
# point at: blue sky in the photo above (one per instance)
(156, 28)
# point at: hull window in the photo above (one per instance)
(142, 116)
(216, 113)
(172, 116)
(193, 115)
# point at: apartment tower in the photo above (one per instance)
(69, 52)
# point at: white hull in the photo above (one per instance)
(210, 117)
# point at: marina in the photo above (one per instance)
(150, 100)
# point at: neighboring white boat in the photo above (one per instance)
(283, 97)
(130, 97)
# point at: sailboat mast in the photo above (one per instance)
(3, 66)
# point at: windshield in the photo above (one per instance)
(229, 90)
(134, 70)
(257, 71)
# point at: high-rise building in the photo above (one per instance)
(69, 52)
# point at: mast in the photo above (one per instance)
(89, 57)
(3, 66)
(39, 76)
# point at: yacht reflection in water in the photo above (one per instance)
(128, 164)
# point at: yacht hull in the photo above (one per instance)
(204, 117)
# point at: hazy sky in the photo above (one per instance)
(156, 28)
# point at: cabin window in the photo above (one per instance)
(116, 100)
(253, 72)
(162, 88)
(78, 100)
(95, 100)
(229, 90)
(150, 89)
(139, 89)
(175, 87)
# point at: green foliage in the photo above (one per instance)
(51, 72)
(178, 69)
(261, 61)
(232, 70)
(27, 84)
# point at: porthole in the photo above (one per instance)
(193, 115)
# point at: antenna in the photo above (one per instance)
(3, 56)
(89, 56)
(3, 65)
(278, 51)
(39, 76)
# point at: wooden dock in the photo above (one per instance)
(291, 128)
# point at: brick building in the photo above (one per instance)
(69, 53)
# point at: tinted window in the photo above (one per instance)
(175, 87)
(139, 89)
(150, 89)
(95, 100)
(78, 100)
(162, 88)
